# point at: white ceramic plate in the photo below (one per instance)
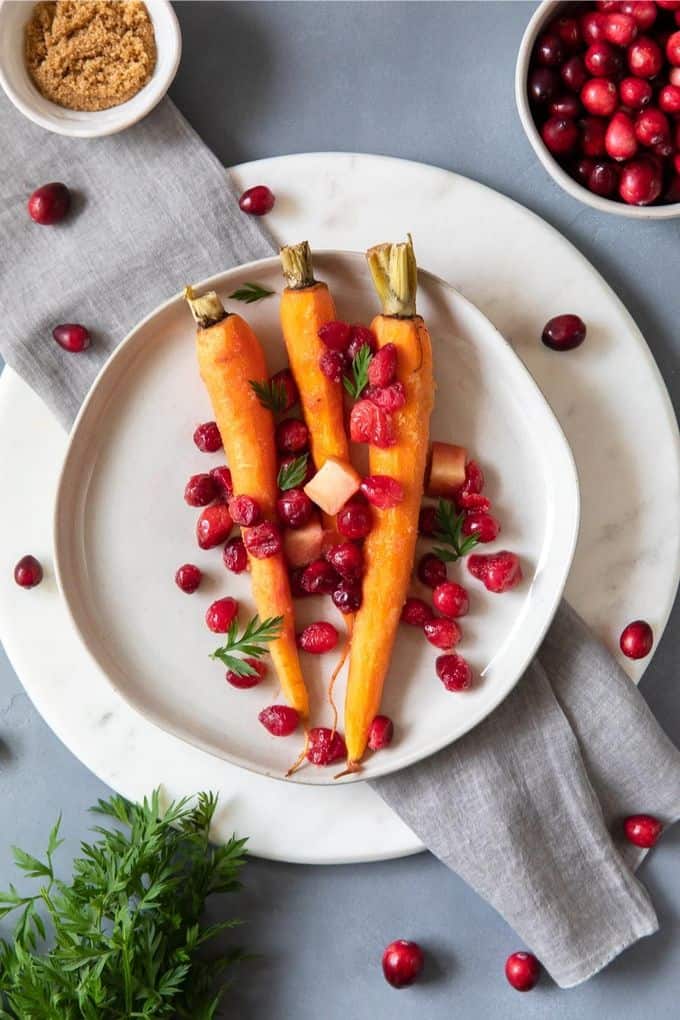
(122, 528)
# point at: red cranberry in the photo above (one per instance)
(200, 490)
(222, 478)
(347, 596)
(382, 491)
(262, 540)
(642, 830)
(427, 521)
(643, 11)
(49, 204)
(213, 526)
(636, 640)
(389, 398)
(574, 76)
(651, 126)
(668, 5)
(673, 49)
(28, 572)
(245, 511)
(188, 578)
(645, 58)
(294, 508)
(674, 76)
(635, 92)
(257, 201)
(309, 466)
(472, 486)
(292, 436)
(441, 632)
(319, 578)
(333, 365)
(285, 383)
(318, 638)
(564, 332)
(560, 135)
(672, 193)
(416, 612)
(335, 335)
(402, 962)
(244, 683)
(583, 169)
(295, 576)
(569, 32)
(602, 60)
(221, 614)
(600, 97)
(454, 672)
(369, 423)
(603, 179)
(620, 140)
(640, 182)
(383, 366)
(593, 27)
(235, 556)
(549, 50)
(498, 572)
(354, 520)
(484, 526)
(207, 437)
(381, 732)
(522, 971)
(360, 336)
(543, 84)
(279, 720)
(669, 98)
(608, 6)
(347, 559)
(431, 570)
(567, 105)
(451, 599)
(593, 131)
(325, 746)
(72, 337)
(620, 29)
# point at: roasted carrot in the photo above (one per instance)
(390, 546)
(230, 358)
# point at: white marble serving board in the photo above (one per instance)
(608, 396)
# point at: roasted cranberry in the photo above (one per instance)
(640, 181)
(389, 398)
(498, 572)
(602, 60)
(442, 632)
(454, 672)
(382, 491)
(474, 478)
(360, 336)
(72, 337)
(564, 332)
(620, 140)
(381, 732)
(645, 58)
(257, 201)
(285, 462)
(402, 962)
(213, 526)
(427, 521)
(593, 131)
(522, 971)
(347, 559)
(319, 578)
(600, 97)
(593, 27)
(383, 366)
(335, 335)
(294, 508)
(222, 478)
(318, 638)
(416, 612)
(651, 126)
(560, 135)
(431, 570)
(369, 423)
(188, 578)
(245, 511)
(292, 436)
(574, 75)
(620, 29)
(635, 92)
(325, 746)
(567, 105)
(220, 615)
(262, 540)
(245, 682)
(636, 639)
(643, 11)
(484, 526)
(200, 490)
(451, 599)
(295, 577)
(603, 179)
(568, 30)
(673, 49)
(473, 501)
(354, 520)
(49, 204)
(642, 830)
(333, 365)
(28, 572)
(669, 98)
(286, 385)
(347, 596)
(207, 437)
(235, 556)
(279, 720)
(549, 50)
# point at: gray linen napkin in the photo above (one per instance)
(523, 806)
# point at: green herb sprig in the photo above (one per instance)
(271, 394)
(449, 531)
(126, 935)
(252, 642)
(292, 475)
(250, 292)
(356, 383)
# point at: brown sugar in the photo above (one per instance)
(90, 55)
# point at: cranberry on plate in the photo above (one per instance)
(257, 201)
(188, 578)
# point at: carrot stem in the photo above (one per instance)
(296, 263)
(207, 309)
(395, 277)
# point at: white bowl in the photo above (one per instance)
(545, 12)
(19, 88)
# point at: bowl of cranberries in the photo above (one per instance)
(598, 92)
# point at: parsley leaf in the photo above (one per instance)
(293, 475)
(256, 635)
(449, 531)
(357, 382)
(250, 292)
(271, 394)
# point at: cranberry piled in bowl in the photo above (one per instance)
(598, 92)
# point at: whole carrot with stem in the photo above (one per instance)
(230, 359)
(390, 546)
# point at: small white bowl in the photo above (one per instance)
(545, 12)
(19, 88)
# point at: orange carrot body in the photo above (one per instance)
(229, 357)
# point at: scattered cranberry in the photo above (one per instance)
(441, 632)
(402, 962)
(285, 383)
(319, 578)
(347, 559)
(333, 365)
(431, 570)
(603, 60)
(645, 58)
(620, 139)
(369, 423)
(245, 511)
(28, 572)
(257, 201)
(361, 336)
(213, 526)
(383, 366)
(262, 540)
(600, 97)
(309, 466)
(564, 332)
(635, 92)
(567, 105)
(207, 437)
(474, 478)
(416, 612)
(522, 971)
(318, 638)
(382, 491)
(279, 720)
(296, 589)
(335, 335)
(451, 599)
(325, 746)
(484, 526)
(200, 490)
(222, 478)
(560, 135)
(550, 50)
(354, 520)
(573, 72)
(636, 639)
(294, 508)
(49, 204)
(188, 578)
(72, 337)
(673, 49)
(652, 127)
(642, 830)
(347, 596)
(427, 521)
(381, 732)
(221, 614)
(620, 29)
(389, 398)
(292, 436)
(235, 556)
(603, 179)
(498, 572)
(669, 99)
(244, 683)
(454, 672)
(640, 181)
